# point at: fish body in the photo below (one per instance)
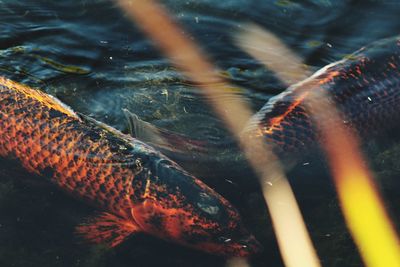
(365, 87)
(136, 187)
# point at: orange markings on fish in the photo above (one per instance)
(99, 165)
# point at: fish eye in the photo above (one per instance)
(212, 210)
(208, 204)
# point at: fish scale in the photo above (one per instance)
(56, 144)
(135, 187)
(365, 87)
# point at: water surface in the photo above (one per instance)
(89, 55)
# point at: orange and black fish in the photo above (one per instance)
(365, 87)
(137, 188)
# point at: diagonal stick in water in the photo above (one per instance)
(156, 23)
(273, 53)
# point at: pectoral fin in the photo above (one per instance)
(107, 229)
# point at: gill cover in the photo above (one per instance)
(176, 206)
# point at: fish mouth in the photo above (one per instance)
(234, 248)
(248, 246)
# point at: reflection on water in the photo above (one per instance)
(91, 57)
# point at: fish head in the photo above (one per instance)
(172, 204)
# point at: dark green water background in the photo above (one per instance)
(94, 59)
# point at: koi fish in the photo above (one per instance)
(365, 87)
(137, 188)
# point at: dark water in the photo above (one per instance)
(94, 59)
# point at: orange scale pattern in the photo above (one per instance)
(48, 139)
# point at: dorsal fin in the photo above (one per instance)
(143, 130)
(40, 96)
(168, 142)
